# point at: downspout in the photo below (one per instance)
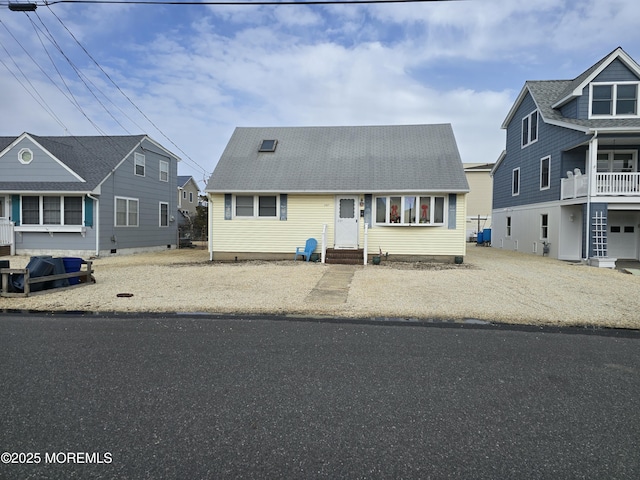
(96, 221)
(590, 179)
(210, 225)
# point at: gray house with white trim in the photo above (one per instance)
(87, 196)
(568, 183)
(399, 189)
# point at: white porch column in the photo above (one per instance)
(210, 226)
(592, 166)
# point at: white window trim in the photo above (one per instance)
(529, 140)
(164, 168)
(542, 187)
(160, 214)
(115, 212)
(191, 197)
(543, 238)
(515, 194)
(256, 205)
(417, 223)
(614, 99)
(25, 150)
(139, 159)
(508, 226)
(34, 226)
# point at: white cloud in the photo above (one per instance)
(199, 72)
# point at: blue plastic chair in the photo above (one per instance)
(307, 250)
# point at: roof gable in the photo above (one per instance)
(90, 158)
(341, 159)
(575, 88)
(550, 95)
(44, 166)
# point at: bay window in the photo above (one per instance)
(410, 210)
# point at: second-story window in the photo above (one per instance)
(614, 99)
(138, 160)
(530, 129)
(515, 182)
(545, 166)
(164, 171)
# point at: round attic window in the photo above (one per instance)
(25, 156)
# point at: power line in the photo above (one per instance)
(32, 6)
(187, 157)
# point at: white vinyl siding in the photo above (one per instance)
(306, 215)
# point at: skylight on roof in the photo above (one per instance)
(268, 146)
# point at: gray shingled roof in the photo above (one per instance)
(93, 158)
(547, 93)
(341, 159)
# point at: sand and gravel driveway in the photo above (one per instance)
(491, 284)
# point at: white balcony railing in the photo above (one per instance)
(607, 183)
(574, 186)
(618, 183)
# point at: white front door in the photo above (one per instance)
(346, 232)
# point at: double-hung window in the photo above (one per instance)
(410, 210)
(139, 161)
(614, 100)
(545, 168)
(544, 226)
(164, 214)
(256, 206)
(530, 128)
(515, 182)
(164, 171)
(126, 212)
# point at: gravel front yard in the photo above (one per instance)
(492, 285)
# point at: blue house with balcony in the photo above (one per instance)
(568, 184)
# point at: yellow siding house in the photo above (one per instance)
(400, 190)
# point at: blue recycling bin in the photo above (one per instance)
(486, 235)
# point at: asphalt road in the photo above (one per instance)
(196, 397)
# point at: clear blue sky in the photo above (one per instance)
(199, 71)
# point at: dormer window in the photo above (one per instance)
(268, 146)
(25, 156)
(614, 100)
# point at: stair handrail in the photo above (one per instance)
(324, 243)
(366, 241)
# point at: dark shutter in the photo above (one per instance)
(88, 212)
(15, 209)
